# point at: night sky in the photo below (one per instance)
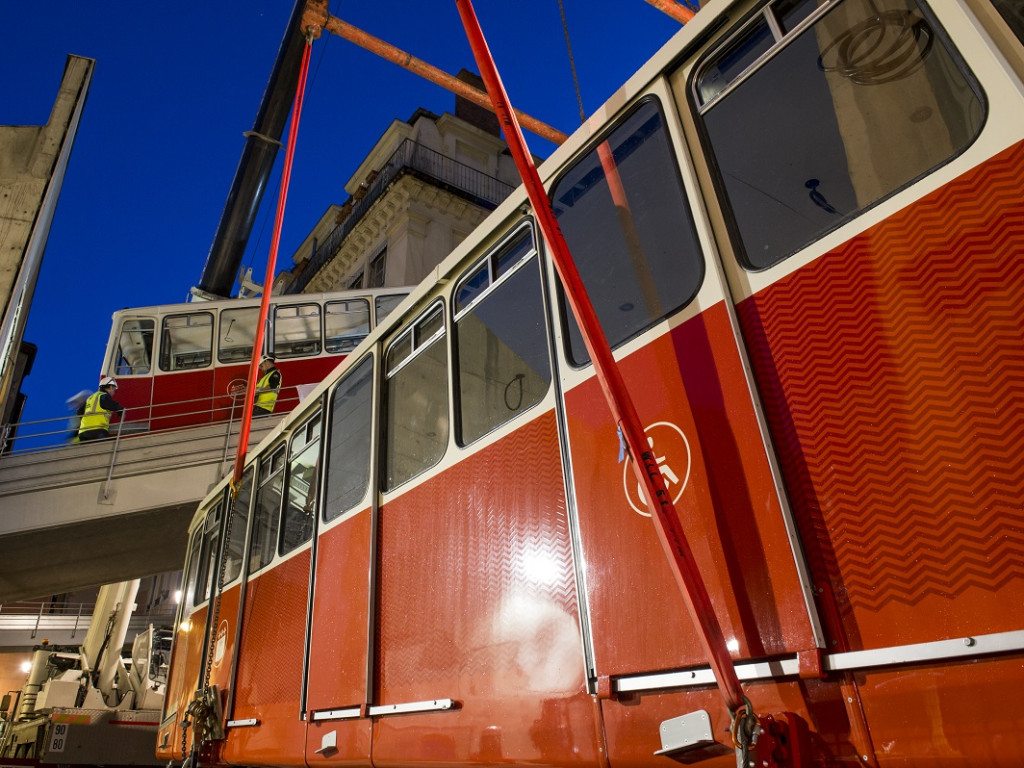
(175, 87)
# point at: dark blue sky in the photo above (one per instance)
(176, 85)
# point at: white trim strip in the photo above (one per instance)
(414, 706)
(938, 650)
(248, 723)
(336, 714)
(434, 705)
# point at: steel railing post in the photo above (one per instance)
(113, 455)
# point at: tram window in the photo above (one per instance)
(297, 330)
(348, 457)
(234, 547)
(416, 389)
(189, 589)
(237, 334)
(1012, 12)
(385, 305)
(300, 505)
(849, 110)
(501, 340)
(134, 347)
(790, 13)
(208, 558)
(267, 510)
(735, 58)
(346, 323)
(633, 239)
(186, 341)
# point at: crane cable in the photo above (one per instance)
(572, 62)
(257, 346)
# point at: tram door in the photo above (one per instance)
(627, 212)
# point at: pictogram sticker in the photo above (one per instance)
(672, 451)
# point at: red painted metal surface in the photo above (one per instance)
(269, 684)
(477, 603)
(186, 669)
(892, 372)
(192, 398)
(715, 458)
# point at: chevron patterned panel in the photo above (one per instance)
(471, 561)
(892, 372)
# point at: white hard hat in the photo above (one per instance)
(108, 381)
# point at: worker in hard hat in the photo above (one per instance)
(267, 388)
(95, 423)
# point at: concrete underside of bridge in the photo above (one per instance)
(88, 514)
(100, 551)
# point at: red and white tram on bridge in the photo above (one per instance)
(186, 364)
(809, 262)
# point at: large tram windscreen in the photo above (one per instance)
(841, 114)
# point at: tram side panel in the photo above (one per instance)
(269, 680)
(900, 446)
(477, 603)
(876, 256)
(338, 685)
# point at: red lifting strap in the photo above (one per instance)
(257, 345)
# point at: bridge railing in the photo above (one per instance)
(46, 434)
(61, 622)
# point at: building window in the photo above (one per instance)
(357, 281)
(377, 269)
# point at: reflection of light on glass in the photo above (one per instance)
(177, 595)
(733, 644)
(185, 626)
(539, 568)
(26, 666)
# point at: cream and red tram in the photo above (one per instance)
(816, 298)
(181, 365)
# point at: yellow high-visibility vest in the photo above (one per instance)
(95, 415)
(266, 398)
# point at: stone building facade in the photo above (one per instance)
(425, 185)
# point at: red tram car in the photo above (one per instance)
(816, 296)
(182, 365)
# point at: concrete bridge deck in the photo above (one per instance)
(108, 511)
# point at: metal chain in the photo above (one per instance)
(198, 709)
(184, 737)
